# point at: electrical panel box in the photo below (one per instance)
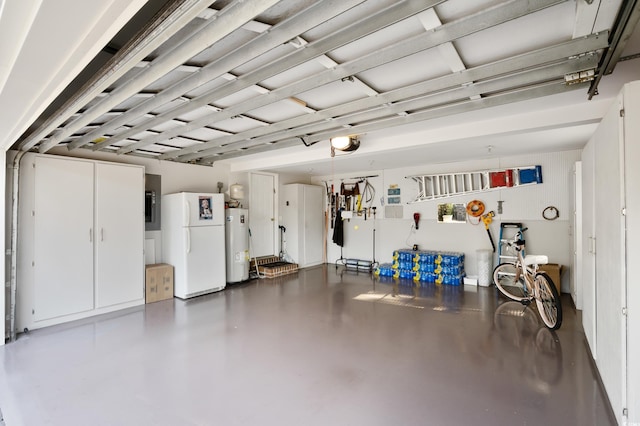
(152, 197)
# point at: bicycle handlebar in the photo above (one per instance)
(518, 241)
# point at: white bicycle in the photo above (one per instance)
(521, 281)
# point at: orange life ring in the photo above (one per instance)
(475, 208)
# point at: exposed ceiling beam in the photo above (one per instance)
(347, 34)
(329, 63)
(430, 20)
(164, 25)
(546, 89)
(479, 21)
(517, 95)
(516, 81)
(278, 35)
(230, 18)
(586, 15)
(577, 47)
(535, 58)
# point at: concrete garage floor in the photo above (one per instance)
(319, 347)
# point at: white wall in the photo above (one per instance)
(242, 178)
(522, 204)
(176, 177)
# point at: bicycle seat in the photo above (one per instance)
(536, 259)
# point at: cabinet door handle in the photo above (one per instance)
(90, 235)
(101, 234)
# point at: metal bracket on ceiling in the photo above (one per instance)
(305, 142)
(579, 77)
(297, 42)
(625, 23)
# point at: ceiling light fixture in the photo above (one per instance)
(344, 143)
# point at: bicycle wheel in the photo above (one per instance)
(504, 275)
(548, 301)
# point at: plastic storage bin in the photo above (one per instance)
(485, 260)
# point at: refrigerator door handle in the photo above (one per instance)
(188, 235)
(187, 213)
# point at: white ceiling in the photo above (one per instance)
(254, 110)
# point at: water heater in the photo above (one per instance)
(237, 241)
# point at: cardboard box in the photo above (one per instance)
(158, 282)
(555, 273)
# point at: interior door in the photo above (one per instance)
(119, 234)
(63, 247)
(610, 256)
(262, 214)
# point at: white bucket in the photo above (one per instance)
(236, 191)
(485, 259)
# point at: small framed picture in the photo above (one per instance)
(452, 213)
(205, 208)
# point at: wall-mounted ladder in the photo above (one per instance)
(436, 186)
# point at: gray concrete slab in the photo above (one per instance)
(320, 347)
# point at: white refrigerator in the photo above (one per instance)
(193, 241)
(237, 232)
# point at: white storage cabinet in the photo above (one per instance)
(611, 248)
(302, 216)
(81, 239)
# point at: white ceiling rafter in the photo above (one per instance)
(328, 118)
(230, 18)
(481, 20)
(390, 53)
(329, 63)
(303, 70)
(264, 42)
(355, 30)
(263, 91)
(430, 20)
(151, 37)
